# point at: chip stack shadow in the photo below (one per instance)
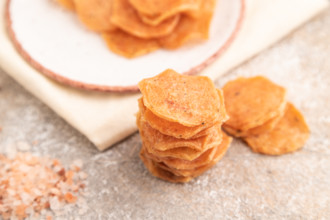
(179, 121)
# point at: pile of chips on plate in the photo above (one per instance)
(135, 27)
(180, 121)
(259, 113)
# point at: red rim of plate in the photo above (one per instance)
(103, 88)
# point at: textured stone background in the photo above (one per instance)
(243, 185)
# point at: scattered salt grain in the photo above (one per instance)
(82, 175)
(55, 204)
(23, 146)
(11, 151)
(78, 163)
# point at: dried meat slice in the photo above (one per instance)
(191, 29)
(264, 128)
(68, 4)
(290, 134)
(173, 129)
(156, 7)
(95, 14)
(188, 100)
(189, 7)
(251, 102)
(127, 45)
(125, 17)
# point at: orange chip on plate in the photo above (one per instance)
(68, 4)
(156, 7)
(190, 29)
(251, 102)
(95, 14)
(153, 20)
(289, 134)
(188, 100)
(125, 17)
(167, 9)
(127, 45)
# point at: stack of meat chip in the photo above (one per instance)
(180, 121)
(135, 27)
(260, 114)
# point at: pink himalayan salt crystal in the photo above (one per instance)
(31, 186)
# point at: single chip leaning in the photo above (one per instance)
(290, 134)
(188, 100)
(171, 7)
(264, 128)
(127, 45)
(251, 102)
(125, 17)
(191, 29)
(68, 4)
(160, 173)
(95, 14)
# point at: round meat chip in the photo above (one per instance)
(170, 7)
(68, 4)
(125, 17)
(191, 29)
(264, 128)
(190, 8)
(178, 130)
(127, 45)
(95, 14)
(188, 100)
(290, 134)
(251, 102)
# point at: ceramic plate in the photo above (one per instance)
(58, 45)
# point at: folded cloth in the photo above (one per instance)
(106, 118)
